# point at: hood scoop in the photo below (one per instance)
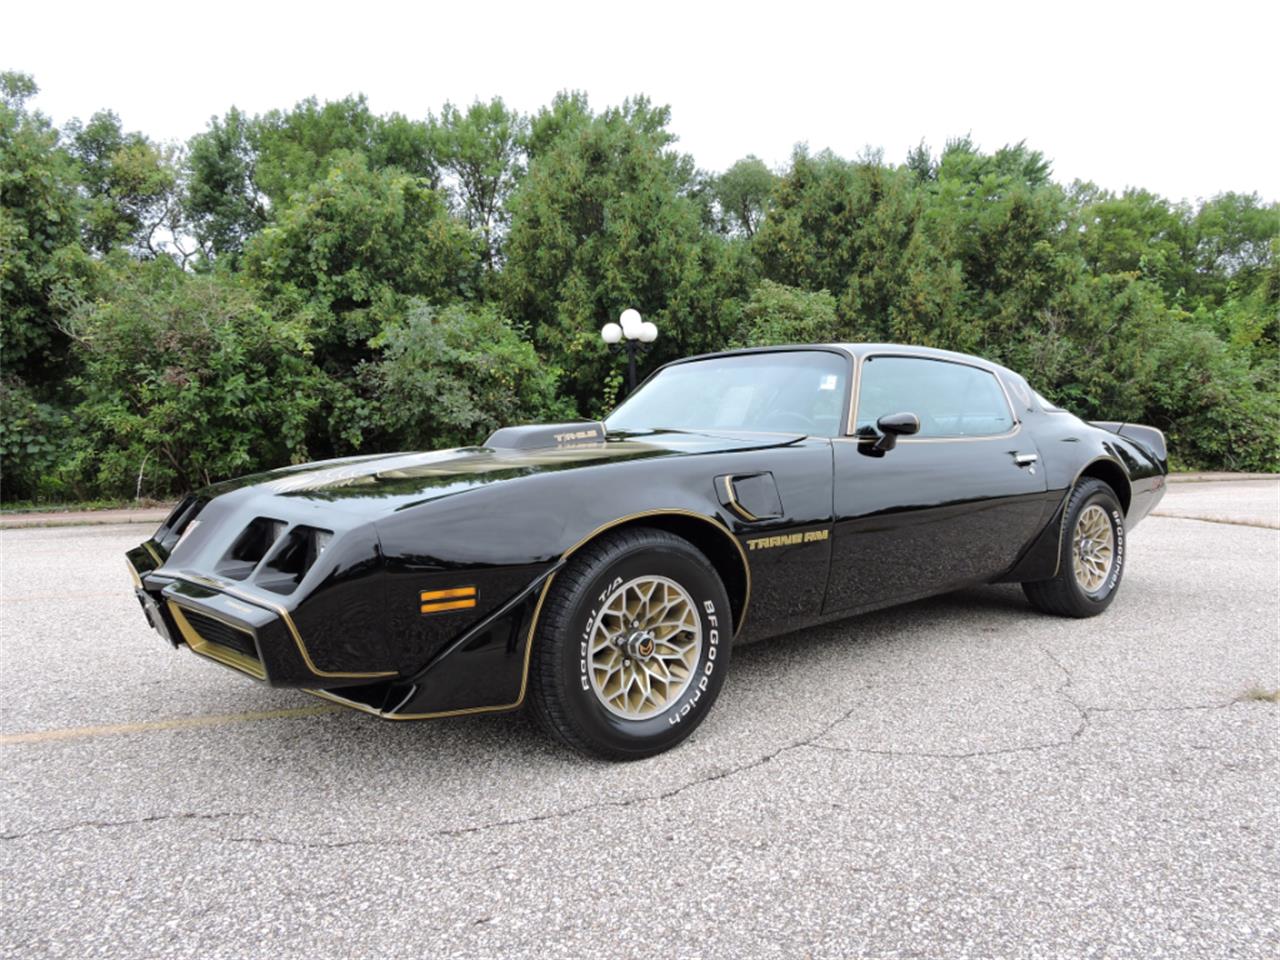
(543, 436)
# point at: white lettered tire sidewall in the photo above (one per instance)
(1103, 596)
(682, 564)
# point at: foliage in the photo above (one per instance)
(1213, 407)
(43, 268)
(33, 439)
(482, 151)
(223, 202)
(450, 377)
(186, 380)
(323, 279)
(841, 226)
(353, 246)
(130, 187)
(297, 147)
(603, 221)
(742, 195)
(777, 314)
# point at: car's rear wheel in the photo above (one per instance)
(1091, 562)
(632, 645)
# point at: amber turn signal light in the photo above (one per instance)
(455, 598)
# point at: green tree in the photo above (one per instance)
(34, 437)
(186, 380)
(1136, 232)
(844, 227)
(223, 202)
(131, 187)
(602, 221)
(1217, 410)
(568, 112)
(776, 314)
(481, 151)
(352, 247)
(742, 195)
(345, 256)
(449, 377)
(43, 269)
(1235, 234)
(297, 147)
(418, 282)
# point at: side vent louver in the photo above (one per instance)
(289, 563)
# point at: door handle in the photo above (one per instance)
(1025, 459)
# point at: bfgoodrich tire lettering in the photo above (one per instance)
(578, 712)
(1092, 559)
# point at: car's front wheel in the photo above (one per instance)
(632, 645)
(1091, 561)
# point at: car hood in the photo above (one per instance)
(396, 481)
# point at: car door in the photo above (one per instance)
(953, 505)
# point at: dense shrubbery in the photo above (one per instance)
(184, 380)
(450, 376)
(321, 279)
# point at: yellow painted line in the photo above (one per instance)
(64, 597)
(175, 723)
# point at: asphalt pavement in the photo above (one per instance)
(959, 777)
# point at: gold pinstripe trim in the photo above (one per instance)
(146, 544)
(288, 621)
(464, 711)
(734, 505)
(137, 580)
(537, 610)
(216, 651)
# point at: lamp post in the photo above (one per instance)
(635, 331)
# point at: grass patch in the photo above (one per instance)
(78, 506)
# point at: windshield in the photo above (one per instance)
(784, 392)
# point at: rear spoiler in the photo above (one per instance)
(1149, 437)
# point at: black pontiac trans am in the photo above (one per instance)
(601, 572)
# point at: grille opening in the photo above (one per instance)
(176, 512)
(289, 564)
(170, 531)
(223, 634)
(250, 547)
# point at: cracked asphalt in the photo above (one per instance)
(959, 777)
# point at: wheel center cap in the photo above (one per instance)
(640, 644)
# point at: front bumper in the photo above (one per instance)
(483, 668)
(251, 635)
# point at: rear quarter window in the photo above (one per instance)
(951, 399)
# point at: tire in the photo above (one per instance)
(572, 657)
(1087, 593)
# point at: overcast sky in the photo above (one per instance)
(1176, 97)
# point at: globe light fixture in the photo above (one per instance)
(632, 332)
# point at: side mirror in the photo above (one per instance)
(895, 425)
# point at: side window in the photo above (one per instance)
(951, 399)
